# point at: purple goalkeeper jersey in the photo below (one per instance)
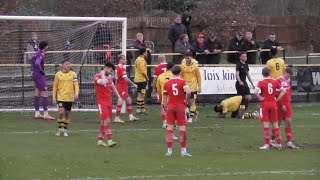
(37, 63)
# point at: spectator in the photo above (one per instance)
(236, 44)
(140, 43)
(182, 46)
(271, 42)
(175, 31)
(201, 49)
(251, 44)
(102, 39)
(32, 45)
(68, 47)
(186, 18)
(214, 46)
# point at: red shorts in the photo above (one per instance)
(105, 111)
(268, 112)
(176, 114)
(123, 92)
(284, 115)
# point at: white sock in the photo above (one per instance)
(37, 113)
(45, 113)
(109, 141)
(138, 110)
(164, 122)
(130, 116)
(117, 118)
(170, 150)
(183, 150)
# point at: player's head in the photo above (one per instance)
(273, 52)
(122, 59)
(66, 65)
(34, 36)
(108, 68)
(218, 108)
(266, 72)
(243, 56)
(170, 65)
(188, 57)
(142, 51)
(288, 72)
(43, 45)
(162, 58)
(176, 70)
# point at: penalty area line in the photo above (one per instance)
(250, 173)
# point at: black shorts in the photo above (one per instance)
(242, 90)
(142, 87)
(66, 105)
(193, 95)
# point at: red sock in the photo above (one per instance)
(129, 108)
(266, 135)
(288, 134)
(169, 138)
(163, 117)
(118, 110)
(183, 139)
(107, 131)
(163, 114)
(273, 136)
(278, 135)
(101, 132)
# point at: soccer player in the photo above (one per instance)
(160, 83)
(141, 80)
(176, 94)
(190, 72)
(159, 69)
(104, 86)
(242, 72)
(276, 65)
(65, 91)
(268, 107)
(40, 84)
(284, 107)
(236, 105)
(122, 88)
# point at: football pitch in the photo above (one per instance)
(220, 148)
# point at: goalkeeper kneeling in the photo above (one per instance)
(237, 106)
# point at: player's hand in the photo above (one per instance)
(135, 86)
(185, 102)
(42, 72)
(199, 90)
(119, 101)
(206, 52)
(284, 109)
(241, 83)
(76, 96)
(54, 100)
(102, 72)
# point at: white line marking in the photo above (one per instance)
(250, 173)
(142, 129)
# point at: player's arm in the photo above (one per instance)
(76, 86)
(115, 91)
(249, 77)
(256, 93)
(55, 88)
(165, 97)
(187, 93)
(282, 92)
(125, 77)
(158, 87)
(198, 76)
(154, 84)
(143, 70)
(103, 80)
(38, 63)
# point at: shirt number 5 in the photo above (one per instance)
(174, 89)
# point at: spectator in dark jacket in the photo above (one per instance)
(186, 18)
(251, 44)
(68, 47)
(140, 43)
(236, 44)
(214, 46)
(201, 49)
(182, 46)
(271, 42)
(176, 30)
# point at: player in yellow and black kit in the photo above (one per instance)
(236, 105)
(141, 79)
(276, 65)
(190, 72)
(65, 91)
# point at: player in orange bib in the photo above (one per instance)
(176, 94)
(103, 84)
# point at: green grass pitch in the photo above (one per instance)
(221, 149)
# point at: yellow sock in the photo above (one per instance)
(193, 110)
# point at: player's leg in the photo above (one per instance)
(288, 122)
(163, 117)
(44, 93)
(192, 107)
(102, 116)
(264, 118)
(181, 121)
(66, 116)
(36, 102)
(170, 126)
(140, 98)
(107, 123)
(60, 119)
(280, 114)
(118, 109)
(277, 134)
(129, 109)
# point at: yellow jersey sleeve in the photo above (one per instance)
(75, 83)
